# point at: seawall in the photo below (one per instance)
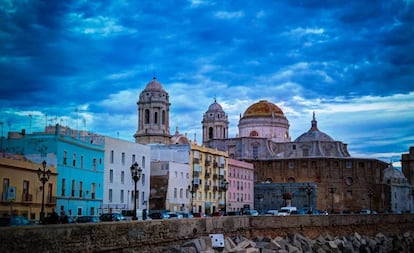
(155, 235)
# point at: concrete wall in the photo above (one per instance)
(154, 236)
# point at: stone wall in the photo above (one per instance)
(157, 235)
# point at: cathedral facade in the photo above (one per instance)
(339, 182)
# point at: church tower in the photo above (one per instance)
(153, 115)
(215, 123)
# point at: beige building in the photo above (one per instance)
(21, 188)
(209, 179)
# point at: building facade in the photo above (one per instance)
(209, 182)
(79, 162)
(119, 188)
(240, 192)
(22, 191)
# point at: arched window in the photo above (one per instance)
(155, 117)
(210, 133)
(163, 118)
(147, 114)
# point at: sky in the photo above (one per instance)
(83, 64)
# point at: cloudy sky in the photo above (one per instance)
(83, 64)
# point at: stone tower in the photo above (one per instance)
(153, 115)
(215, 123)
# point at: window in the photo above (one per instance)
(181, 193)
(111, 176)
(163, 117)
(63, 187)
(65, 154)
(110, 195)
(93, 191)
(146, 119)
(94, 163)
(73, 188)
(123, 158)
(348, 164)
(122, 177)
(25, 190)
(143, 162)
(133, 158)
(111, 158)
(155, 117)
(121, 197)
(74, 160)
(6, 183)
(143, 179)
(175, 193)
(255, 152)
(82, 164)
(80, 189)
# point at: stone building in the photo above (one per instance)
(341, 182)
(153, 115)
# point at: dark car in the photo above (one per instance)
(15, 220)
(217, 214)
(199, 215)
(112, 217)
(159, 216)
(87, 219)
(234, 213)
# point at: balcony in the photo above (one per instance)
(27, 197)
(215, 176)
(207, 175)
(215, 164)
(196, 160)
(206, 187)
(215, 188)
(207, 163)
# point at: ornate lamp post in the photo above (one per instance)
(44, 176)
(309, 192)
(225, 188)
(136, 172)
(332, 190)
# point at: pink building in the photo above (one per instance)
(240, 193)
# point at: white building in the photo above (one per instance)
(118, 183)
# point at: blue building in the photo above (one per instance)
(79, 159)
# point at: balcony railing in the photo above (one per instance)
(215, 188)
(27, 197)
(207, 175)
(207, 163)
(206, 187)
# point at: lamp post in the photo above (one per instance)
(309, 192)
(136, 172)
(332, 190)
(370, 194)
(44, 176)
(225, 188)
(192, 190)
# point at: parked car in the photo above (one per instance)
(187, 215)
(287, 210)
(112, 217)
(365, 211)
(87, 219)
(174, 215)
(199, 215)
(233, 213)
(251, 212)
(15, 220)
(271, 212)
(159, 216)
(217, 214)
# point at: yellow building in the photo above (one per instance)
(21, 188)
(209, 179)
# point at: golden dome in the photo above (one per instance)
(262, 108)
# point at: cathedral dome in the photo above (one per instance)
(262, 108)
(154, 85)
(314, 134)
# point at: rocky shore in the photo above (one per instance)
(297, 243)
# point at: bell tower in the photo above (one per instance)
(215, 123)
(153, 115)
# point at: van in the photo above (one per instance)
(287, 210)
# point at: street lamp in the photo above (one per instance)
(192, 189)
(225, 187)
(136, 172)
(309, 192)
(332, 190)
(44, 176)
